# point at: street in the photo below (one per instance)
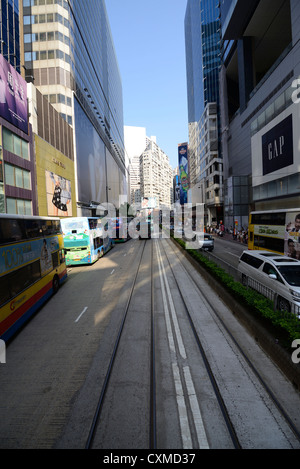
(136, 335)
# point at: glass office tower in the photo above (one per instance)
(10, 33)
(70, 57)
(202, 40)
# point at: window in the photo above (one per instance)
(18, 206)
(251, 260)
(17, 177)
(273, 244)
(28, 38)
(15, 144)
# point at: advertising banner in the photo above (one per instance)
(20, 254)
(59, 200)
(292, 235)
(13, 96)
(91, 159)
(277, 146)
(183, 172)
(149, 202)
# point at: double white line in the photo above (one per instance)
(181, 404)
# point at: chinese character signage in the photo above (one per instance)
(13, 96)
(183, 172)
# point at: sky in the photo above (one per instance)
(148, 36)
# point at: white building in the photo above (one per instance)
(135, 143)
(156, 175)
(151, 175)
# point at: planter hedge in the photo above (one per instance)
(284, 325)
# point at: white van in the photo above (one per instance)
(274, 275)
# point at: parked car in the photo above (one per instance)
(203, 241)
(280, 274)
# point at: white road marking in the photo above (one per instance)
(183, 417)
(82, 312)
(181, 404)
(199, 425)
(174, 317)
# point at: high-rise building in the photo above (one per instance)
(156, 175)
(70, 57)
(151, 175)
(202, 39)
(135, 143)
(260, 107)
(11, 33)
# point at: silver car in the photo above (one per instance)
(203, 241)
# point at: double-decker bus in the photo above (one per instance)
(276, 231)
(32, 267)
(86, 239)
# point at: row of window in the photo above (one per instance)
(46, 18)
(30, 3)
(47, 54)
(67, 118)
(18, 206)
(59, 99)
(15, 282)
(17, 177)
(12, 230)
(15, 144)
(47, 36)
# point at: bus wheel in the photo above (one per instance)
(283, 304)
(55, 284)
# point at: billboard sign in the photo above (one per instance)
(59, 200)
(149, 202)
(277, 146)
(183, 172)
(13, 96)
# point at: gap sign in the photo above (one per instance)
(277, 146)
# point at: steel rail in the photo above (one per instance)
(97, 413)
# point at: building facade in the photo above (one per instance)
(156, 176)
(151, 175)
(70, 57)
(202, 39)
(11, 30)
(54, 158)
(135, 143)
(17, 162)
(260, 106)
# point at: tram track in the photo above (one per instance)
(221, 324)
(152, 398)
(218, 394)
